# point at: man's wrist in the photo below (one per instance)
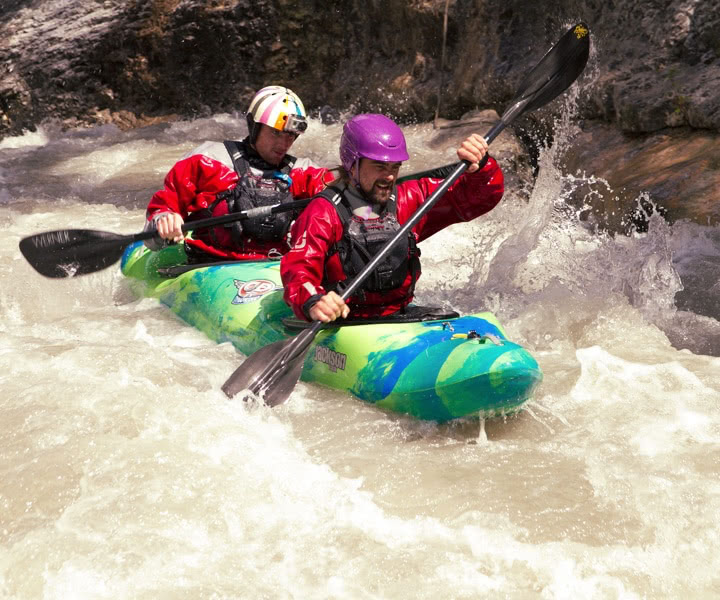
(309, 303)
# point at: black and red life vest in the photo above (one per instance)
(362, 239)
(269, 187)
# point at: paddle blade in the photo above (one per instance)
(72, 252)
(272, 372)
(560, 66)
(555, 72)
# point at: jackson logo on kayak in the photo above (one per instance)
(334, 360)
(250, 291)
(580, 31)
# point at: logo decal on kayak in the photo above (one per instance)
(334, 360)
(580, 31)
(250, 291)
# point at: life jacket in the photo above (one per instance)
(362, 239)
(252, 191)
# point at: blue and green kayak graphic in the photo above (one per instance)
(438, 370)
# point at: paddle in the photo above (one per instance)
(72, 252)
(272, 372)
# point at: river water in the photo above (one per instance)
(126, 473)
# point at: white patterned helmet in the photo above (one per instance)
(277, 107)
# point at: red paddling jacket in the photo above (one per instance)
(313, 266)
(192, 186)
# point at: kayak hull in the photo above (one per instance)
(433, 370)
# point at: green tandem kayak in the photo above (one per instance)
(438, 369)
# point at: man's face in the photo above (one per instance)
(377, 178)
(272, 145)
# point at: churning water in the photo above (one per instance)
(126, 473)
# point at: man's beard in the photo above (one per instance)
(379, 195)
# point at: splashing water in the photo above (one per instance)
(128, 474)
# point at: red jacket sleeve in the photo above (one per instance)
(309, 181)
(316, 230)
(191, 185)
(472, 195)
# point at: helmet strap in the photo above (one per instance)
(253, 129)
(355, 178)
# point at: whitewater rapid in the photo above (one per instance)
(126, 472)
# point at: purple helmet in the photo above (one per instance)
(371, 136)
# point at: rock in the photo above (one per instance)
(675, 171)
(651, 67)
(329, 115)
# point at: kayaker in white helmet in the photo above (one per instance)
(351, 220)
(216, 178)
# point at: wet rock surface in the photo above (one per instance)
(674, 171)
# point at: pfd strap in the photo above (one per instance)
(240, 165)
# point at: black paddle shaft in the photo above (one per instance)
(272, 371)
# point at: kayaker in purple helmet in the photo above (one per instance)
(359, 212)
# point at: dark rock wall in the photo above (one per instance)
(655, 64)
